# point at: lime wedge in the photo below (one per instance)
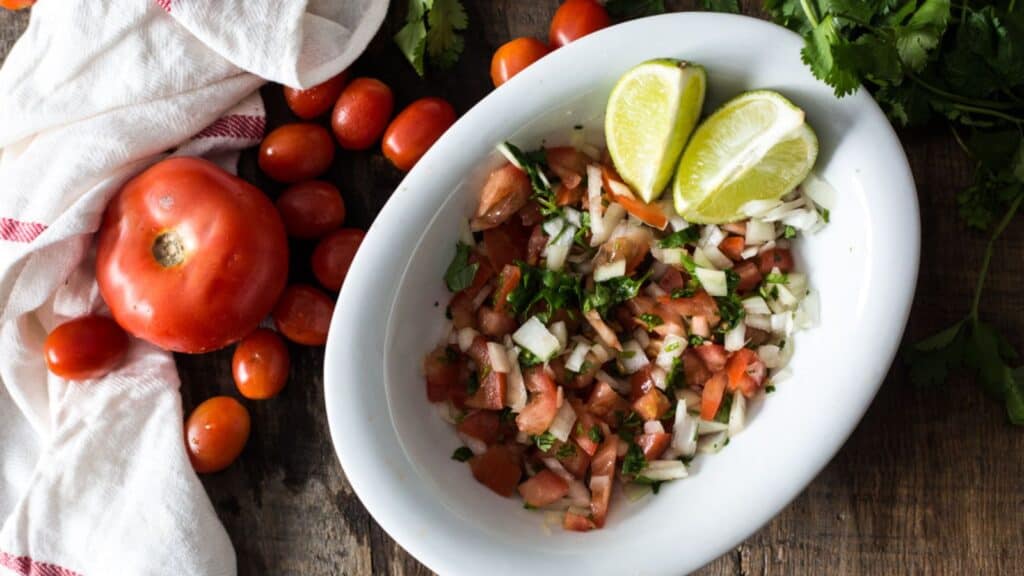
(755, 147)
(651, 112)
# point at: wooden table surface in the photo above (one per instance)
(929, 483)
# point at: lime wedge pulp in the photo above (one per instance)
(651, 112)
(755, 147)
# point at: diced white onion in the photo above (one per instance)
(640, 335)
(701, 259)
(713, 281)
(712, 443)
(782, 210)
(559, 243)
(766, 247)
(807, 313)
(659, 377)
(553, 227)
(676, 221)
(759, 232)
(466, 337)
(717, 258)
(632, 358)
(770, 355)
(560, 332)
(755, 305)
(613, 216)
(618, 385)
(635, 492)
(573, 216)
(610, 270)
(684, 432)
(594, 202)
(561, 426)
(578, 356)
(802, 219)
(782, 323)
(536, 338)
(710, 235)
(653, 427)
(786, 298)
(736, 337)
(797, 284)
(515, 389)
(672, 347)
(749, 252)
(578, 494)
(710, 427)
(481, 297)
(447, 412)
(672, 256)
(756, 208)
(759, 321)
(605, 333)
(820, 191)
(737, 413)
(699, 327)
(786, 353)
(507, 153)
(601, 354)
(654, 289)
(475, 444)
(689, 397)
(662, 470)
(499, 358)
(465, 234)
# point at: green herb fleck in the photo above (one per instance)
(544, 441)
(612, 292)
(680, 238)
(634, 462)
(566, 450)
(696, 340)
(460, 273)
(651, 320)
(462, 454)
(789, 232)
(595, 434)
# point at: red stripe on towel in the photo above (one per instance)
(18, 231)
(165, 4)
(241, 126)
(26, 566)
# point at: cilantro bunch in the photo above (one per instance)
(939, 61)
(432, 29)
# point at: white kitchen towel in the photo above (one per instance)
(94, 479)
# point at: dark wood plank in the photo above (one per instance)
(928, 483)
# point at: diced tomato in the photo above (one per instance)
(632, 248)
(603, 463)
(568, 163)
(530, 215)
(585, 423)
(654, 444)
(461, 310)
(749, 275)
(543, 489)
(491, 394)
(565, 196)
(700, 304)
(498, 469)
(543, 405)
(602, 472)
(604, 401)
(535, 245)
(577, 463)
(733, 247)
(671, 280)
(737, 228)
(484, 273)
(776, 258)
(711, 398)
(577, 523)
(713, 355)
(495, 324)
(641, 382)
(652, 405)
(694, 370)
(620, 193)
(745, 371)
(505, 244)
(506, 190)
(458, 393)
(507, 282)
(484, 425)
(442, 373)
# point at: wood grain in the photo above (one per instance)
(929, 483)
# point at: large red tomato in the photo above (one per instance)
(190, 257)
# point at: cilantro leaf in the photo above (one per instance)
(460, 273)
(731, 6)
(651, 320)
(445, 19)
(544, 441)
(533, 163)
(412, 37)
(680, 238)
(634, 461)
(462, 454)
(611, 293)
(551, 289)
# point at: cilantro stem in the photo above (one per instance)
(809, 11)
(983, 273)
(976, 104)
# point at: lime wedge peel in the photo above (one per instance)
(755, 147)
(651, 113)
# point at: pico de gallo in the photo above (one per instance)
(595, 337)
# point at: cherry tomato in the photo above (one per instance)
(189, 257)
(303, 314)
(16, 4)
(260, 365)
(333, 256)
(415, 130)
(84, 348)
(311, 209)
(575, 19)
(361, 113)
(215, 433)
(513, 56)
(296, 152)
(309, 103)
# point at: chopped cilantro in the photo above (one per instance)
(675, 377)
(544, 441)
(473, 384)
(776, 278)
(553, 289)
(696, 340)
(580, 237)
(462, 454)
(688, 290)
(528, 506)
(672, 347)
(533, 163)
(680, 238)
(654, 484)
(789, 232)
(595, 434)
(634, 462)
(628, 425)
(567, 450)
(769, 389)
(651, 320)
(825, 215)
(460, 273)
(723, 409)
(730, 309)
(612, 292)
(627, 354)
(732, 280)
(527, 358)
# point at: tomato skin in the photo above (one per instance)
(542, 407)
(296, 152)
(189, 257)
(733, 247)
(508, 280)
(333, 256)
(506, 190)
(311, 209)
(84, 348)
(515, 55)
(16, 4)
(576, 523)
(652, 405)
(498, 469)
(543, 489)
(575, 19)
(260, 365)
(303, 314)
(415, 130)
(776, 258)
(711, 397)
(484, 425)
(442, 373)
(216, 433)
(361, 113)
(749, 275)
(308, 103)
(653, 445)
